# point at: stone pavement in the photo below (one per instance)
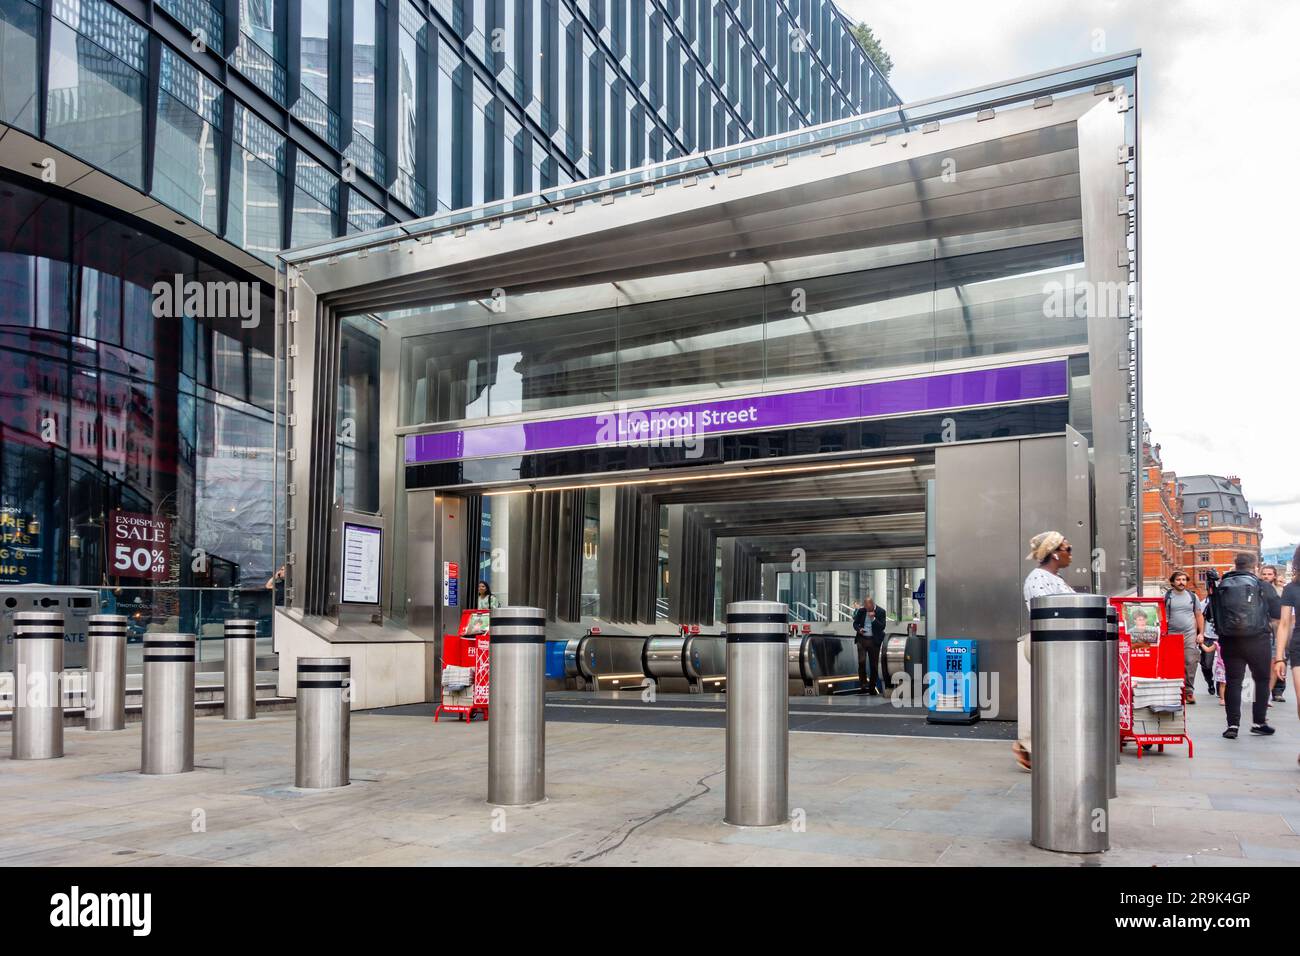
(629, 794)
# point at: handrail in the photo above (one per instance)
(816, 615)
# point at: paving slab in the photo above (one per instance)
(630, 793)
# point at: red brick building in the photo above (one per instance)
(1217, 525)
(1163, 545)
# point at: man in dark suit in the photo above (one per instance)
(869, 633)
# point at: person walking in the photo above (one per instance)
(1183, 615)
(1052, 554)
(1211, 653)
(1277, 690)
(1244, 608)
(1287, 649)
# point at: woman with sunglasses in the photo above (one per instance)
(1052, 553)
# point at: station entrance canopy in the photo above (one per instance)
(950, 259)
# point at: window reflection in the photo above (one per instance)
(983, 304)
(185, 155)
(256, 186)
(100, 409)
(95, 105)
(20, 26)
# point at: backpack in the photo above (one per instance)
(1240, 608)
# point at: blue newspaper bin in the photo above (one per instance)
(952, 687)
(555, 659)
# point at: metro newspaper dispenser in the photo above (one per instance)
(951, 692)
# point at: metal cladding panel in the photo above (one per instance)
(1043, 507)
(978, 566)
(1102, 183)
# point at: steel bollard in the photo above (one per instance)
(322, 757)
(517, 697)
(167, 734)
(105, 695)
(241, 670)
(1112, 699)
(1070, 802)
(758, 728)
(38, 686)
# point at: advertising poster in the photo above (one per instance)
(450, 584)
(139, 545)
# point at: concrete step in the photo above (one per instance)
(209, 700)
(134, 694)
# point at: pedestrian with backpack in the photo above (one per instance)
(1244, 608)
(1183, 615)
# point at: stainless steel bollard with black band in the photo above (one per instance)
(38, 686)
(1070, 800)
(1112, 698)
(758, 729)
(322, 757)
(517, 696)
(167, 734)
(106, 672)
(241, 670)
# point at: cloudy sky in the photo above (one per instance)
(1220, 85)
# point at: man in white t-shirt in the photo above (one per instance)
(1183, 616)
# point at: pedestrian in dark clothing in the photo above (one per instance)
(1244, 611)
(869, 634)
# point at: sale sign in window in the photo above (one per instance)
(138, 545)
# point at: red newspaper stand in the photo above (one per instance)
(469, 648)
(1147, 649)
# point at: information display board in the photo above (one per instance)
(362, 555)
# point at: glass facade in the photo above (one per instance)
(976, 305)
(95, 107)
(106, 406)
(419, 108)
(274, 123)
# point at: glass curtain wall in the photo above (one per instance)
(95, 107)
(528, 94)
(20, 40)
(257, 165)
(107, 407)
(186, 166)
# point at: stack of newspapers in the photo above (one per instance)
(1158, 693)
(1157, 705)
(457, 678)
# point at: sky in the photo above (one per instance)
(1220, 149)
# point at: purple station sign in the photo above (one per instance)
(676, 423)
